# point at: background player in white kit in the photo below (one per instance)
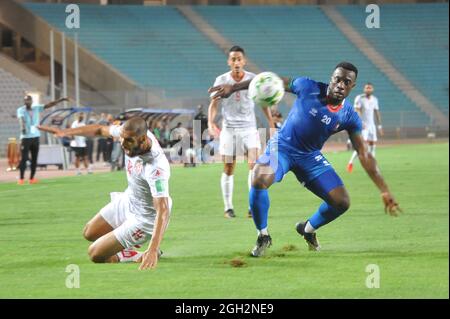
(366, 105)
(79, 146)
(142, 212)
(239, 134)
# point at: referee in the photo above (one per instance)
(28, 116)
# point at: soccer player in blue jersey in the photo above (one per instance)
(319, 111)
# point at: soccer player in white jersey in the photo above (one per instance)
(142, 212)
(239, 135)
(366, 105)
(79, 146)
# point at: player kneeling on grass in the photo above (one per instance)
(142, 212)
(319, 111)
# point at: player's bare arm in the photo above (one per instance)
(151, 255)
(87, 130)
(370, 165)
(53, 103)
(379, 125)
(287, 84)
(212, 112)
(225, 90)
(268, 114)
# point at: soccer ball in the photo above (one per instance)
(266, 89)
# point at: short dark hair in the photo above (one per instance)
(348, 66)
(137, 125)
(369, 83)
(236, 48)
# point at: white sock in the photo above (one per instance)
(263, 231)
(227, 183)
(372, 150)
(128, 256)
(355, 153)
(308, 228)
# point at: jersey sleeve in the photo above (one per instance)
(375, 105)
(114, 130)
(299, 85)
(19, 113)
(357, 103)
(354, 124)
(40, 108)
(158, 180)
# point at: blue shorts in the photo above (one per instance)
(311, 169)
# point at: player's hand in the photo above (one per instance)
(149, 259)
(390, 204)
(54, 130)
(222, 91)
(380, 130)
(213, 130)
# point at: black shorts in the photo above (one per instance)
(80, 151)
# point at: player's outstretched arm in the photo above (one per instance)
(150, 257)
(379, 126)
(225, 90)
(268, 114)
(369, 163)
(287, 84)
(53, 103)
(87, 130)
(212, 112)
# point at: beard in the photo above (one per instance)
(135, 151)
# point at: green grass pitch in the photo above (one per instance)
(41, 226)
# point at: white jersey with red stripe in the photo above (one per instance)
(367, 106)
(238, 110)
(148, 177)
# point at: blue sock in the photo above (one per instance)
(324, 215)
(259, 205)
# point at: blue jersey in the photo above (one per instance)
(311, 121)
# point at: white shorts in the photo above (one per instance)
(129, 229)
(237, 141)
(369, 133)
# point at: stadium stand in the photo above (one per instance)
(155, 46)
(300, 38)
(158, 48)
(415, 39)
(11, 96)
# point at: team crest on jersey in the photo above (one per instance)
(136, 168)
(157, 173)
(313, 111)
